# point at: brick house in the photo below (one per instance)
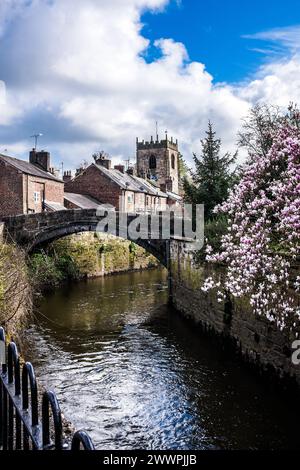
(113, 186)
(28, 187)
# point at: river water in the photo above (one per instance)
(135, 375)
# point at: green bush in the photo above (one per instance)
(214, 229)
(45, 273)
(67, 267)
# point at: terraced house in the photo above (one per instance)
(28, 187)
(122, 190)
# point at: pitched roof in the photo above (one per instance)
(148, 187)
(54, 206)
(131, 182)
(85, 202)
(121, 179)
(174, 196)
(28, 168)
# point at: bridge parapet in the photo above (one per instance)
(32, 230)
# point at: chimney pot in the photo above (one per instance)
(121, 168)
(40, 159)
(67, 176)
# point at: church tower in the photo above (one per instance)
(158, 161)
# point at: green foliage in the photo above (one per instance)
(214, 229)
(106, 248)
(213, 176)
(132, 248)
(15, 289)
(183, 169)
(67, 266)
(76, 257)
(45, 273)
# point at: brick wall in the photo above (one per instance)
(11, 190)
(48, 190)
(70, 205)
(93, 183)
(17, 191)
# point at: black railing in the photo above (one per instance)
(20, 424)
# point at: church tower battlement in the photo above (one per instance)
(157, 160)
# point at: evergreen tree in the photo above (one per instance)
(213, 175)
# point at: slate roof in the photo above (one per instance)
(85, 202)
(148, 187)
(54, 206)
(131, 182)
(28, 168)
(174, 196)
(121, 179)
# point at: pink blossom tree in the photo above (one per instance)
(263, 237)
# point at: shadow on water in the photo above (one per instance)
(134, 374)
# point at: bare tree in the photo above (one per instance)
(262, 124)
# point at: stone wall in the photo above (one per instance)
(98, 254)
(257, 340)
(166, 171)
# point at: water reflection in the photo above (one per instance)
(131, 372)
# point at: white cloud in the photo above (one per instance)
(75, 71)
(288, 37)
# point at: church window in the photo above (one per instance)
(152, 162)
(173, 161)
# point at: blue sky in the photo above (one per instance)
(213, 32)
(99, 74)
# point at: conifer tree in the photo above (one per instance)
(213, 175)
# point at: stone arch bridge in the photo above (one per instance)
(33, 230)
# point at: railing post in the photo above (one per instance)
(49, 398)
(82, 438)
(29, 372)
(3, 371)
(14, 406)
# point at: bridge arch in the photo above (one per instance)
(34, 230)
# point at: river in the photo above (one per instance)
(129, 370)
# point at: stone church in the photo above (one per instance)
(158, 161)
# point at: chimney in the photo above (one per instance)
(106, 162)
(121, 168)
(40, 159)
(163, 187)
(67, 176)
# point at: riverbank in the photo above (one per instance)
(86, 255)
(15, 289)
(24, 279)
(259, 342)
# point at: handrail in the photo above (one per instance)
(21, 427)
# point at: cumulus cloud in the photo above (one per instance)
(75, 71)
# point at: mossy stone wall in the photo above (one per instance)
(258, 340)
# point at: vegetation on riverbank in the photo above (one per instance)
(15, 288)
(86, 255)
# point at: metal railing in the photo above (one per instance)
(21, 426)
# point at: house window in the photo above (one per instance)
(152, 162)
(36, 196)
(173, 161)
(129, 199)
